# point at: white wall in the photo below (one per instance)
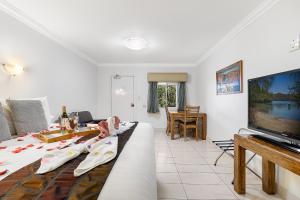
(141, 90)
(264, 48)
(50, 70)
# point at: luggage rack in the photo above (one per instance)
(227, 147)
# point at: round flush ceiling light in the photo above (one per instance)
(136, 43)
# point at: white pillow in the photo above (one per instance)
(4, 128)
(45, 104)
(28, 115)
(7, 113)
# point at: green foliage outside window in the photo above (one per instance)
(166, 95)
(171, 95)
(161, 93)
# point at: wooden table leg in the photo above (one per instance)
(239, 168)
(268, 176)
(204, 127)
(172, 127)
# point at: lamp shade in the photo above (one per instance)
(13, 70)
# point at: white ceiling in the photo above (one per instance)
(178, 31)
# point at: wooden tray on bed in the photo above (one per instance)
(55, 136)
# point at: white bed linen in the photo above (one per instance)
(15, 161)
(133, 176)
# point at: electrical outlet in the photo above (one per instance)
(295, 44)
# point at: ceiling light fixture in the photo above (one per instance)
(136, 43)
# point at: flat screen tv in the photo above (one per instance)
(274, 105)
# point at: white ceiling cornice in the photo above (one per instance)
(22, 17)
(176, 65)
(254, 15)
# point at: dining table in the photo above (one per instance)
(175, 115)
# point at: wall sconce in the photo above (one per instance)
(13, 70)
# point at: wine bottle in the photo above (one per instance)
(64, 120)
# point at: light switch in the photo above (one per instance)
(295, 44)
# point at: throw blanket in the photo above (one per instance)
(100, 152)
(60, 183)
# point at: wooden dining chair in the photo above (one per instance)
(176, 122)
(190, 120)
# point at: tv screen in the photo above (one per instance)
(274, 105)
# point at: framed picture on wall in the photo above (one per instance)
(230, 79)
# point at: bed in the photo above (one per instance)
(133, 173)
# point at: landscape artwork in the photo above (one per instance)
(274, 103)
(230, 79)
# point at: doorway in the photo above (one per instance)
(122, 97)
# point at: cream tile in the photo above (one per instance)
(168, 178)
(190, 161)
(161, 142)
(163, 149)
(222, 168)
(161, 137)
(223, 160)
(192, 154)
(251, 179)
(183, 141)
(208, 192)
(181, 145)
(193, 168)
(200, 178)
(164, 160)
(171, 191)
(212, 154)
(176, 137)
(164, 154)
(187, 148)
(167, 199)
(161, 146)
(203, 143)
(207, 148)
(165, 167)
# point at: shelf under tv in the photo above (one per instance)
(286, 145)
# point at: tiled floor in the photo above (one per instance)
(185, 170)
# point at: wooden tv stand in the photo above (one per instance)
(271, 155)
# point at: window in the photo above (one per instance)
(166, 93)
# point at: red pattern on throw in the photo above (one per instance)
(3, 172)
(3, 147)
(17, 150)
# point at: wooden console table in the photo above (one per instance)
(179, 115)
(271, 155)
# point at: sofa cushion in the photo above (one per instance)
(28, 115)
(4, 129)
(85, 117)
